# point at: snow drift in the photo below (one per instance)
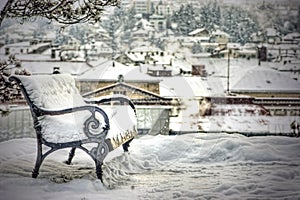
(191, 166)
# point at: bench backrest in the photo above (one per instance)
(52, 91)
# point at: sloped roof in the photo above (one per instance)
(264, 80)
(146, 49)
(46, 67)
(146, 97)
(110, 70)
(219, 32)
(271, 32)
(123, 85)
(199, 30)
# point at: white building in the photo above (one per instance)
(158, 22)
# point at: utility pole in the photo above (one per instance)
(228, 70)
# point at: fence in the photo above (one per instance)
(16, 124)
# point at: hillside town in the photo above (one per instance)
(198, 66)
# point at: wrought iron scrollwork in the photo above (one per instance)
(93, 128)
(100, 152)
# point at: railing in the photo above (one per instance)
(16, 124)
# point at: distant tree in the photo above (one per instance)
(210, 15)
(185, 18)
(239, 24)
(78, 32)
(298, 20)
(196, 48)
(114, 26)
(9, 91)
(152, 8)
(62, 11)
(129, 19)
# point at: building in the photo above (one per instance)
(158, 22)
(220, 37)
(153, 110)
(142, 6)
(199, 70)
(200, 32)
(159, 71)
(264, 82)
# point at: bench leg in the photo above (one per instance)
(126, 145)
(35, 171)
(71, 155)
(38, 162)
(99, 171)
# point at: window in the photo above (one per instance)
(120, 92)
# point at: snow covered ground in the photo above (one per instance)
(190, 166)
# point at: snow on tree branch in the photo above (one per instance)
(62, 11)
(9, 91)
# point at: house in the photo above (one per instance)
(112, 78)
(200, 32)
(107, 72)
(265, 82)
(231, 49)
(153, 111)
(199, 70)
(164, 8)
(140, 34)
(158, 22)
(48, 66)
(28, 47)
(249, 50)
(97, 49)
(272, 36)
(142, 6)
(258, 37)
(220, 37)
(291, 38)
(159, 71)
(129, 58)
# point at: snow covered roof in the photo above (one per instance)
(233, 45)
(261, 79)
(291, 36)
(136, 57)
(45, 67)
(109, 71)
(140, 31)
(199, 30)
(219, 32)
(190, 87)
(146, 49)
(271, 32)
(144, 24)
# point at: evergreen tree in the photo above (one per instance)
(210, 16)
(239, 24)
(185, 19)
(9, 91)
(298, 20)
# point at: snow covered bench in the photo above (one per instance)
(63, 119)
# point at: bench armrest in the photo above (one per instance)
(91, 124)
